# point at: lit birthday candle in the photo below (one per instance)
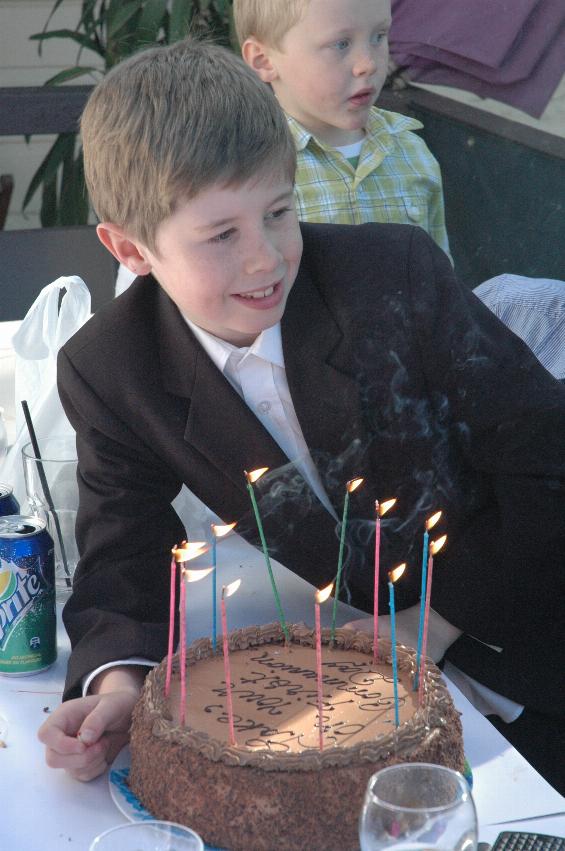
(172, 600)
(350, 486)
(251, 478)
(430, 523)
(186, 552)
(393, 576)
(227, 591)
(177, 555)
(435, 547)
(380, 510)
(217, 532)
(320, 597)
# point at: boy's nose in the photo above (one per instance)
(263, 256)
(365, 64)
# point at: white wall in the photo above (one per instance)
(20, 65)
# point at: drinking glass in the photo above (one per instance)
(417, 807)
(148, 836)
(52, 494)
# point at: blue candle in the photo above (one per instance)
(422, 605)
(430, 523)
(392, 577)
(217, 532)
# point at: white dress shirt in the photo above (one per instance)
(534, 308)
(258, 374)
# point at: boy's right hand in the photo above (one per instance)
(84, 735)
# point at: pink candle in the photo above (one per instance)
(376, 586)
(171, 626)
(435, 546)
(227, 591)
(380, 509)
(319, 598)
(182, 616)
(181, 554)
(227, 673)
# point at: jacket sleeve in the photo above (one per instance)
(125, 530)
(509, 414)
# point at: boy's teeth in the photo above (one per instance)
(264, 294)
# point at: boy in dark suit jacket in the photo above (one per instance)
(377, 364)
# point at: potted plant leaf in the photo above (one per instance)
(107, 32)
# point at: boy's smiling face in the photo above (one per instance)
(330, 67)
(228, 257)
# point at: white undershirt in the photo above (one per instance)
(350, 151)
(257, 373)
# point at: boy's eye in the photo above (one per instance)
(278, 214)
(222, 237)
(342, 44)
(378, 37)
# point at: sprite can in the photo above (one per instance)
(8, 502)
(27, 596)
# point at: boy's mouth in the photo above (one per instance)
(363, 98)
(262, 299)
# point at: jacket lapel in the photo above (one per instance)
(323, 384)
(219, 426)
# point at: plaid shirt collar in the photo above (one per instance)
(381, 126)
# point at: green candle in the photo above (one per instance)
(252, 477)
(351, 485)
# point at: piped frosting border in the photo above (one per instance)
(416, 731)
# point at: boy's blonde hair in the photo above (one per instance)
(172, 121)
(267, 20)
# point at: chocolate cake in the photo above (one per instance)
(275, 788)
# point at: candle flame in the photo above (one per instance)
(228, 590)
(431, 521)
(195, 575)
(436, 545)
(323, 594)
(188, 550)
(383, 507)
(220, 531)
(397, 572)
(254, 475)
(353, 484)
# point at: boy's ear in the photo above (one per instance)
(258, 56)
(126, 250)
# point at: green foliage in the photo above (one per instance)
(111, 30)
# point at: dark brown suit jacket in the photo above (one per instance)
(397, 374)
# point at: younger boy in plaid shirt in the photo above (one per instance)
(326, 61)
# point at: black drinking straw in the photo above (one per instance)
(46, 490)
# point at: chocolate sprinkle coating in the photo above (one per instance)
(246, 800)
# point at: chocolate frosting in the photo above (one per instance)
(421, 725)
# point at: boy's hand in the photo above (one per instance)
(84, 735)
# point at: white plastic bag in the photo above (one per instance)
(49, 323)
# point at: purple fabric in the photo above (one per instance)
(530, 95)
(481, 30)
(528, 49)
(525, 77)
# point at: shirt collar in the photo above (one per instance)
(381, 125)
(267, 346)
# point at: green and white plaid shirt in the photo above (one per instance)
(397, 179)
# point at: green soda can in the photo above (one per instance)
(27, 596)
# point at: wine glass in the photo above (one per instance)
(418, 807)
(148, 835)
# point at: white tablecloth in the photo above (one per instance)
(45, 810)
